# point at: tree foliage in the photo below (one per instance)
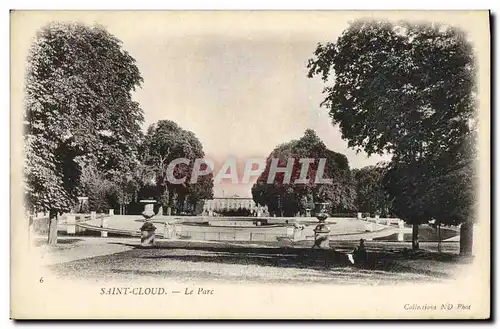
(78, 112)
(166, 141)
(289, 198)
(371, 195)
(409, 90)
(108, 193)
(442, 187)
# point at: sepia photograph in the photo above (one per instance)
(250, 165)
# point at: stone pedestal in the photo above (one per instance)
(111, 212)
(360, 215)
(322, 236)
(70, 224)
(308, 212)
(93, 215)
(83, 204)
(374, 224)
(104, 224)
(147, 238)
(322, 231)
(148, 234)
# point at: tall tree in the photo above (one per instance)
(441, 188)
(106, 193)
(287, 199)
(404, 88)
(371, 195)
(78, 112)
(164, 142)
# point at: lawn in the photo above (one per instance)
(283, 262)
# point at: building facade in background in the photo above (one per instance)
(231, 203)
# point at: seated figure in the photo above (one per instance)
(359, 253)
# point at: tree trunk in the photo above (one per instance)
(414, 237)
(31, 229)
(466, 239)
(52, 239)
(439, 237)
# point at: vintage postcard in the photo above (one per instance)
(250, 165)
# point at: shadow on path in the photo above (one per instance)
(290, 257)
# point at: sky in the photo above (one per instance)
(242, 94)
(237, 80)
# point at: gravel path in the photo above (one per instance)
(71, 249)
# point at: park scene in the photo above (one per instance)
(346, 160)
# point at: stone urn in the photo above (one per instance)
(148, 234)
(148, 212)
(322, 231)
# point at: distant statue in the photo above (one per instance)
(297, 231)
(298, 226)
(169, 230)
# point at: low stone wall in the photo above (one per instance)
(244, 228)
(41, 223)
(214, 233)
(269, 220)
(234, 223)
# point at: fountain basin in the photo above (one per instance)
(238, 222)
(234, 229)
(228, 233)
